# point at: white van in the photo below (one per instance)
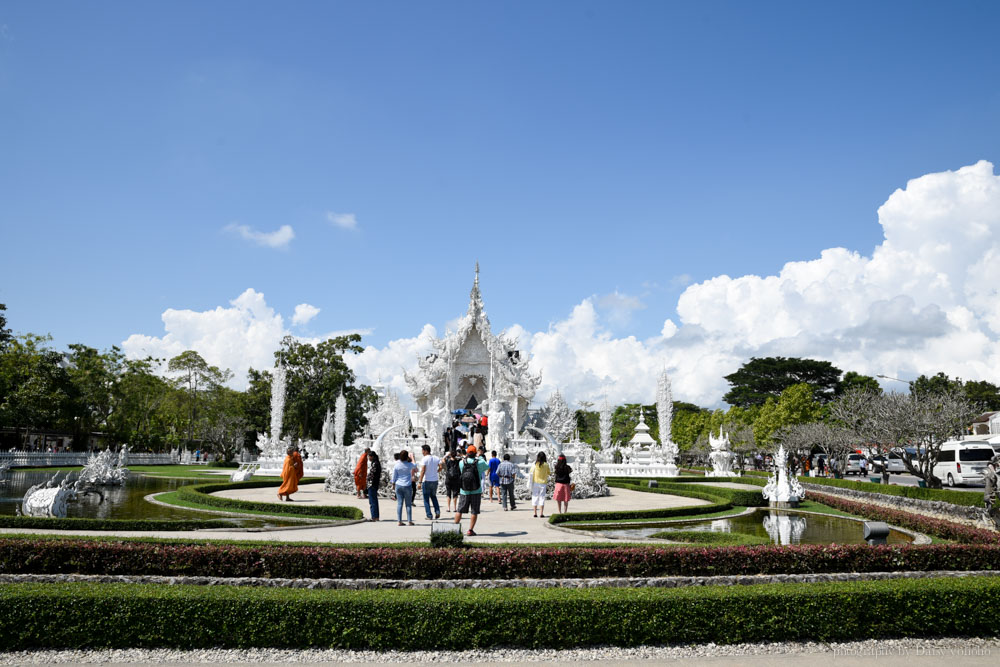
(962, 462)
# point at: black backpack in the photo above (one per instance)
(470, 475)
(451, 469)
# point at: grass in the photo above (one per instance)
(710, 538)
(174, 498)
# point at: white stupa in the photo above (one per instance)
(641, 439)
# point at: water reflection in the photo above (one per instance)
(784, 528)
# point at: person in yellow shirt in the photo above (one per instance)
(539, 482)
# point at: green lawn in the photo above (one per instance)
(175, 499)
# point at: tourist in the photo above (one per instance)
(471, 494)
(452, 479)
(507, 473)
(291, 473)
(563, 492)
(430, 466)
(990, 483)
(361, 473)
(494, 464)
(402, 481)
(374, 479)
(477, 437)
(539, 481)
(863, 466)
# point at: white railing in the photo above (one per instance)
(19, 459)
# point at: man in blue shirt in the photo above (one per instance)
(471, 494)
(494, 463)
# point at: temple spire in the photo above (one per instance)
(475, 297)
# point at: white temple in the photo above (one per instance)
(474, 370)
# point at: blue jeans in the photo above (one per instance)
(373, 501)
(430, 491)
(404, 495)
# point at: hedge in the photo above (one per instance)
(964, 498)
(718, 502)
(74, 523)
(81, 616)
(709, 537)
(668, 485)
(47, 556)
(201, 494)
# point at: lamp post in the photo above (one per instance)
(889, 377)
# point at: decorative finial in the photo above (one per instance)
(477, 273)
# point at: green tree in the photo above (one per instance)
(936, 384)
(763, 378)
(196, 377)
(148, 412)
(857, 381)
(797, 405)
(5, 335)
(316, 376)
(94, 378)
(984, 394)
(34, 385)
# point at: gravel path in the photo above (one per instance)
(881, 652)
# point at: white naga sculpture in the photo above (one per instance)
(50, 500)
(271, 445)
(721, 457)
(244, 472)
(106, 468)
(782, 490)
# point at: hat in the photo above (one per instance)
(470, 450)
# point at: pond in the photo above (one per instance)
(781, 527)
(120, 502)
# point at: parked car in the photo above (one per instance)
(854, 464)
(962, 462)
(895, 463)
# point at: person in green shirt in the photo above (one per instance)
(471, 492)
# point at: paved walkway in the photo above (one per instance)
(494, 525)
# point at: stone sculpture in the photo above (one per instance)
(244, 473)
(782, 490)
(721, 457)
(106, 468)
(50, 499)
(665, 415)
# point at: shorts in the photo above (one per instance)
(494, 480)
(452, 488)
(562, 493)
(469, 503)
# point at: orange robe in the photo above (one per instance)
(361, 473)
(291, 473)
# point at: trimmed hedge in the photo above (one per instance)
(718, 502)
(668, 485)
(964, 498)
(201, 494)
(79, 616)
(709, 537)
(47, 556)
(74, 523)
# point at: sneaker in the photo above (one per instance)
(429, 518)
(470, 533)
(437, 516)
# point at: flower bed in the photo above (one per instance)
(78, 616)
(74, 523)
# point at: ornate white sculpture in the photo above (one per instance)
(641, 440)
(781, 488)
(471, 366)
(721, 457)
(435, 422)
(559, 421)
(244, 472)
(784, 529)
(50, 499)
(665, 415)
(106, 468)
(605, 425)
(339, 419)
(499, 427)
(272, 446)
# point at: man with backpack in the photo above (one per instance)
(471, 493)
(452, 478)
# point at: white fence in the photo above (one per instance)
(19, 459)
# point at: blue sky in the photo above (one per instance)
(576, 149)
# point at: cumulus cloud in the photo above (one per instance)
(303, 313)
(924, 300)
(342, 220)
(279, 238)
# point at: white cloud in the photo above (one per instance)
(619, 307)
(925, 300)
(276, 239)
(303, 313)
(342, 220)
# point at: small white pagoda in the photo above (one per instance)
(641, 439)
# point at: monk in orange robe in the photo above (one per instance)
(291, 473)
(361, 474)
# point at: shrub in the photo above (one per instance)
(200, 494)
(737, 497)
(78, 616)
(50, 556)
(446, 539)
(74, 523)
(709, 537)
(963, 498)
